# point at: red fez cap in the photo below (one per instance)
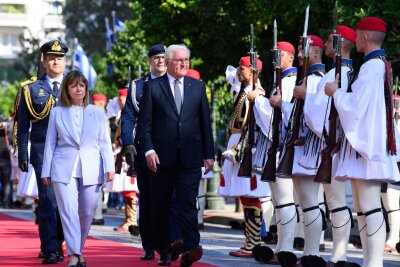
(316, 41)
(99, 97)
(372, 24)
(193, 73)
(347, 33)
(286, 46)
(123, 92)
(245, 61)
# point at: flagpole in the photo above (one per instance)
(113, 24)
(74, 52)
(107, 29)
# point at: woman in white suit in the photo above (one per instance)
(77, 158)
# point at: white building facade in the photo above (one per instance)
(41, 19)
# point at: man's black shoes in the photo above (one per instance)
(50, 259)
(165, 259)
(191, 256)
(147, 255)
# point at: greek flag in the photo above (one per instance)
(82, 63)
(119, 25)
(109, 36)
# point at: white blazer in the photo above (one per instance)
(62, 148)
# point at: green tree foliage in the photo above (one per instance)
(85, 20)
(217, 32)
(7, 97)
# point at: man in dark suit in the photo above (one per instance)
(174, 132)
(129, 116)
(34, 101)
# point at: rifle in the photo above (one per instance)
(324, 172)
(269, 172)
(246, 163)
(396, 101)
(286, 164)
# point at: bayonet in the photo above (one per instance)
(251, 39)
(276, 52)
(305, 40)
(275, 35)
(335, 18)
(253, 54)
(306, 21)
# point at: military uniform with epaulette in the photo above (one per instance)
(34, 102)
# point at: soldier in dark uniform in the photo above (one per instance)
(128, 120)
(35, 99)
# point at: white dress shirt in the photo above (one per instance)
(171, 81)
(59, 82)
(77, 119)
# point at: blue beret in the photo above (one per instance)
(156, 49)
(54, 47)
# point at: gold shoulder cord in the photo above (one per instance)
(16, 105)
(46, 110)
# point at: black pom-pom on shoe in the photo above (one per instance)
(287, 259)
(134, 230)
(313, 261)
(262, 254)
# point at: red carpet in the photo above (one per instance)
(19, 241)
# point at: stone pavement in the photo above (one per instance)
(217, 239)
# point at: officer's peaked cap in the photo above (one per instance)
(54, 47)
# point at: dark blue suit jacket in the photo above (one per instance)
(40, 91)
(162, 129)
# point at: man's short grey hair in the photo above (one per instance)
(175, 47)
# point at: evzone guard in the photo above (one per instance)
(281, 188)
(307, 147)
(249, 189)
(368, 151)
(316, 105)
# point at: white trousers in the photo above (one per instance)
(366, 198)
(307, 194)
(286, 216)
(76, 204)
(391, 201)
(341, 221)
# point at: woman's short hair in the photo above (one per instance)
(72, 77)
(173, 48)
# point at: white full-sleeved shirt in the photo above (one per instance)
(317, 106)
(362, 113)
(263, 111)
